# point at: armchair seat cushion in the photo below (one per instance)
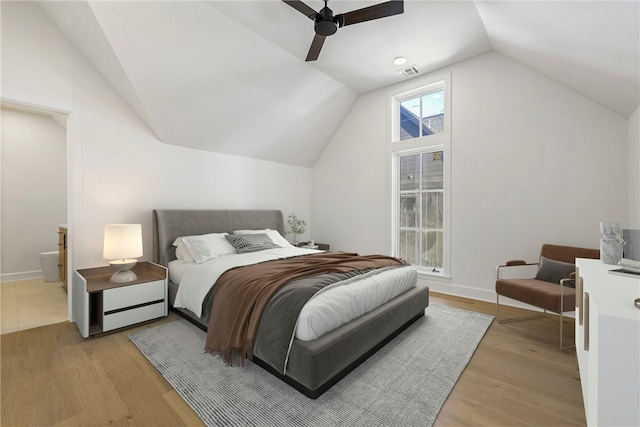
(536, 292)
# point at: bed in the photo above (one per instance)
(312, 366)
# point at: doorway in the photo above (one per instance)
(34, 205)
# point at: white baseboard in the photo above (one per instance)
(461, 291)
(478, 294)
(25, 275)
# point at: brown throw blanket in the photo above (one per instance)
(241, 294)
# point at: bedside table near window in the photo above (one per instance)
(320, 246)
(101, 306)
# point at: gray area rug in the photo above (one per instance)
(404, 384)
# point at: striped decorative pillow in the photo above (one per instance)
(244, 243)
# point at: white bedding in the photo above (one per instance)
(335, 305)
(330, 308)
(177, 269)
(198, 278)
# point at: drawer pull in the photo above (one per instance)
(586, 321)
(579, 299)
(133, 307)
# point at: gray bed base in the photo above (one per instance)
(314, 366)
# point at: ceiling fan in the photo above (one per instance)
(326, 23)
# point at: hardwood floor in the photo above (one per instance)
(517, 376)
(51, 376)
(31, 303)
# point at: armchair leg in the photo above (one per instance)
(518, 319)
(515, 319)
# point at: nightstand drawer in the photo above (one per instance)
(131, 317)
(131, 295)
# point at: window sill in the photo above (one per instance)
(429, 274)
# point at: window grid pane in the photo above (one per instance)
(409, 246)
(432, 113)
(410, 172)
(432, 206)
(432, 242)
(410, 119)
(433, 170)
(409, 209)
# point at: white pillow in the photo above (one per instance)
(183, 254)
(205, 247)
(273, 235)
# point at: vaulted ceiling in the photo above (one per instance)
(230, 76)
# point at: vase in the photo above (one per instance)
(610, 251)
(610, 243)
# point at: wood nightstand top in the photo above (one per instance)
(98, 277)
(320, 246)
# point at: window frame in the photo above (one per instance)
(428, 143)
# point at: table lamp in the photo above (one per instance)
(122, 245)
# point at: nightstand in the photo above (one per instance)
(320, 246)
(101, 306)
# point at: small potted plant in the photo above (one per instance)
(297, 227)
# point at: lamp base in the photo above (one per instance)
(124, 273)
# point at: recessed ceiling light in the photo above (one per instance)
(399, 60)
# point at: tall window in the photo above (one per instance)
(421, 160)
(421, 205)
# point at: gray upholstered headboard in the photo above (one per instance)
(171, 224)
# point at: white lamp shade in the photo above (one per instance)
(122, 241)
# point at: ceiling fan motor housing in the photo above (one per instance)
(325, 28)
(326, 24)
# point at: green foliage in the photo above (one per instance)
(297, 225)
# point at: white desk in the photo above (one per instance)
(608, 344)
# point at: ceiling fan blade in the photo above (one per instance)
(376, 11)
(302, 8)
(316, 45)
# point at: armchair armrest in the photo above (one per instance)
(513, 263)
(569, 282)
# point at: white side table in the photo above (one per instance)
(100, 306)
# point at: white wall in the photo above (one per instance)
(119, 170)
(532, 163)
(549, 169)
(350, 203)
(34, 191)
(633, 169)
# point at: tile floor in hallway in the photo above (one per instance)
(31, 303)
